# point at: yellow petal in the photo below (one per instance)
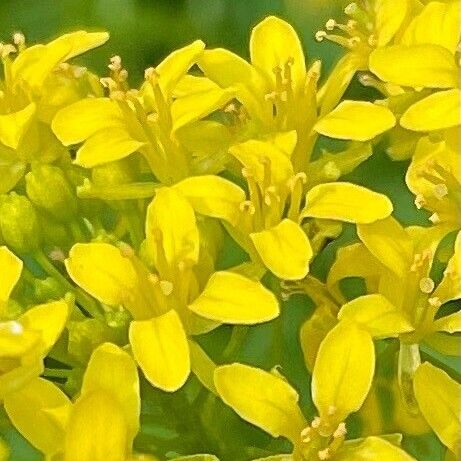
(213, 196)
(96, 427)
(436, 112)
(161, 350)
(438, 398)
(176, 64)
(191, 84)
(375, 314)
(356, 120)
(101, 270)
(107, 145)
(231, 298)
(450, 323)
(338, 81)
(259, 156)
(313, 332)
(284, 249)
(437, 24)
(13, 126)
(19, 376)
(171, 218)
(388, 242)
(47, 319)
(353, 261)
(81, 41)
(196, 106)
(450, 287)
(113, 371)
(343, 372)
(285, 47)
(416, 66)
(347, 202)
(77, 122)
(202, 366)
(389, 18)
(11, 271)
(372, 448)
(261, 398)
(25, 410)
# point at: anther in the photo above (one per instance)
(330, 24)
(440, 191)
(434, 218)
(57, 255)
(151, 75)
(331, 410)
(247, 207)
(426, 285)
(320, 35)
(125, 250)
(419, 201)
(435, 302)
(316, 422)
(115, 63)
(353, 41)
(340, 431)
(153, 278)
(12, 326)
(324, 454)
(18, 39)
(331, 170)
(78, 71)
(166, 286)
(350, 9)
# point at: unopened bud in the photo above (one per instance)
(49, 189)
(19, 223)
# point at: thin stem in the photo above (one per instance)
(238, 336)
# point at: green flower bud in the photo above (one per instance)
(114, 173)
(19, 223)
(48, 188)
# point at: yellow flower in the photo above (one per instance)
(341, 379)
(24, 342)
(36, 83)
(278, 93)
(272, 215)
(173, 301)
(145, 120)
(103, 419)
(434, 178)
(397, 264)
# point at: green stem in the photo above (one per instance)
(76, 231)
(238, 336)
(56, 373)
(81, 297)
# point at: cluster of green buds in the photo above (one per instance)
(173, 256)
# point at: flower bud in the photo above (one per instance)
(114, 173)
(48, 188)
(19, 223)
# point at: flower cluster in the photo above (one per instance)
(138, 223)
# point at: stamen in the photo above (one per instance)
(320, 35)
(426, 285)
(115, 63)
(167, 287)
(324, 454)
(19, 39)
(340, 431)
(247, 207)
(12, 326)
(434, 218)
(440, 191)
(435, 302)
(419, 201)
(351, 9)
(330, 24)
(57, 255)
(331, 170)
(331, 410)
(125, 250)
(316, 422)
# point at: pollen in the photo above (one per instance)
(440, 190)
(167, 287)
(330, 24)
(332, 410)
(426, 285)
(340, 431)
(324, 454)
(320, 35)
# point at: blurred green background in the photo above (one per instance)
(143, 32)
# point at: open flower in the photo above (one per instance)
(37, 82)
(341, 379)
(176, 299)
(24, 341)
(129, 120)
(272, 215)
